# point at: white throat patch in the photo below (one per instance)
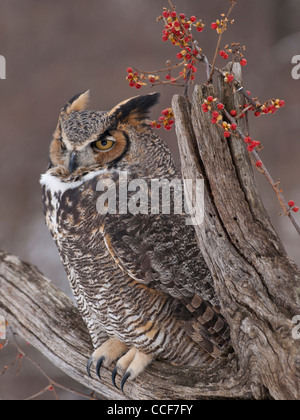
(55, 185)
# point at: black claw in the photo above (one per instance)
(125, 377)
(88, 366)
(98, 366)
(113, 376)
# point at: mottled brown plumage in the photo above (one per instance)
(140, 278)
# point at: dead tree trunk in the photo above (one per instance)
(257, 283)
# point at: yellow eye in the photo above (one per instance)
(104, 144)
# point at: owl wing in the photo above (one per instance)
(161, 252)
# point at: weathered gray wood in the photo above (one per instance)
(48, 319)
(258, 284)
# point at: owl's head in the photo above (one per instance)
(92, 139)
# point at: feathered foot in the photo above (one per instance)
(131, 362)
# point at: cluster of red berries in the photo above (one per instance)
(228, 77)
(217, 117)
(237, 51)
(293, 207)
(225, 55)
(134, 78)
(178, 28)
(228, 128)
(270, 107)
(220, 25)
(252, 144)
(166, 120)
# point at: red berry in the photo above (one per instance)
(166, 14)
(131, 84)
(291, 203)
(233, 113)
(281, 103)
(165, 38)
(199, 28)
(182, 15)
(158, 126)
(214, 25)
(247, 140)
(224, 54)
(165, 111)
(168, 76)
(215, 114)
(226, 134)
(168, 127)
(193, 19)
(179, 56)
(176, 23)
(259, 164)
(230, 78)
(296, 209)
(204, 107)
(138, 86)
(210, 98)
(243, 62)
(255, 143)
(257, 113)
(173, 14)
(220, 106)
(129, 70)
(233, 126)
(214, 121)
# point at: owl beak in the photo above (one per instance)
(73, 162)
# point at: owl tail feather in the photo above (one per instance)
(207, 327)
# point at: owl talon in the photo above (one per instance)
(124, 379)
(132, 363)
(113, 377)
(89, 365)
(110, 351)
(98, 366)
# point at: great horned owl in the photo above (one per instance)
(139, 277)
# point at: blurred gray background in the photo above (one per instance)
(55, 49)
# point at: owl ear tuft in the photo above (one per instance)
(135, 110)
(77, 103)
